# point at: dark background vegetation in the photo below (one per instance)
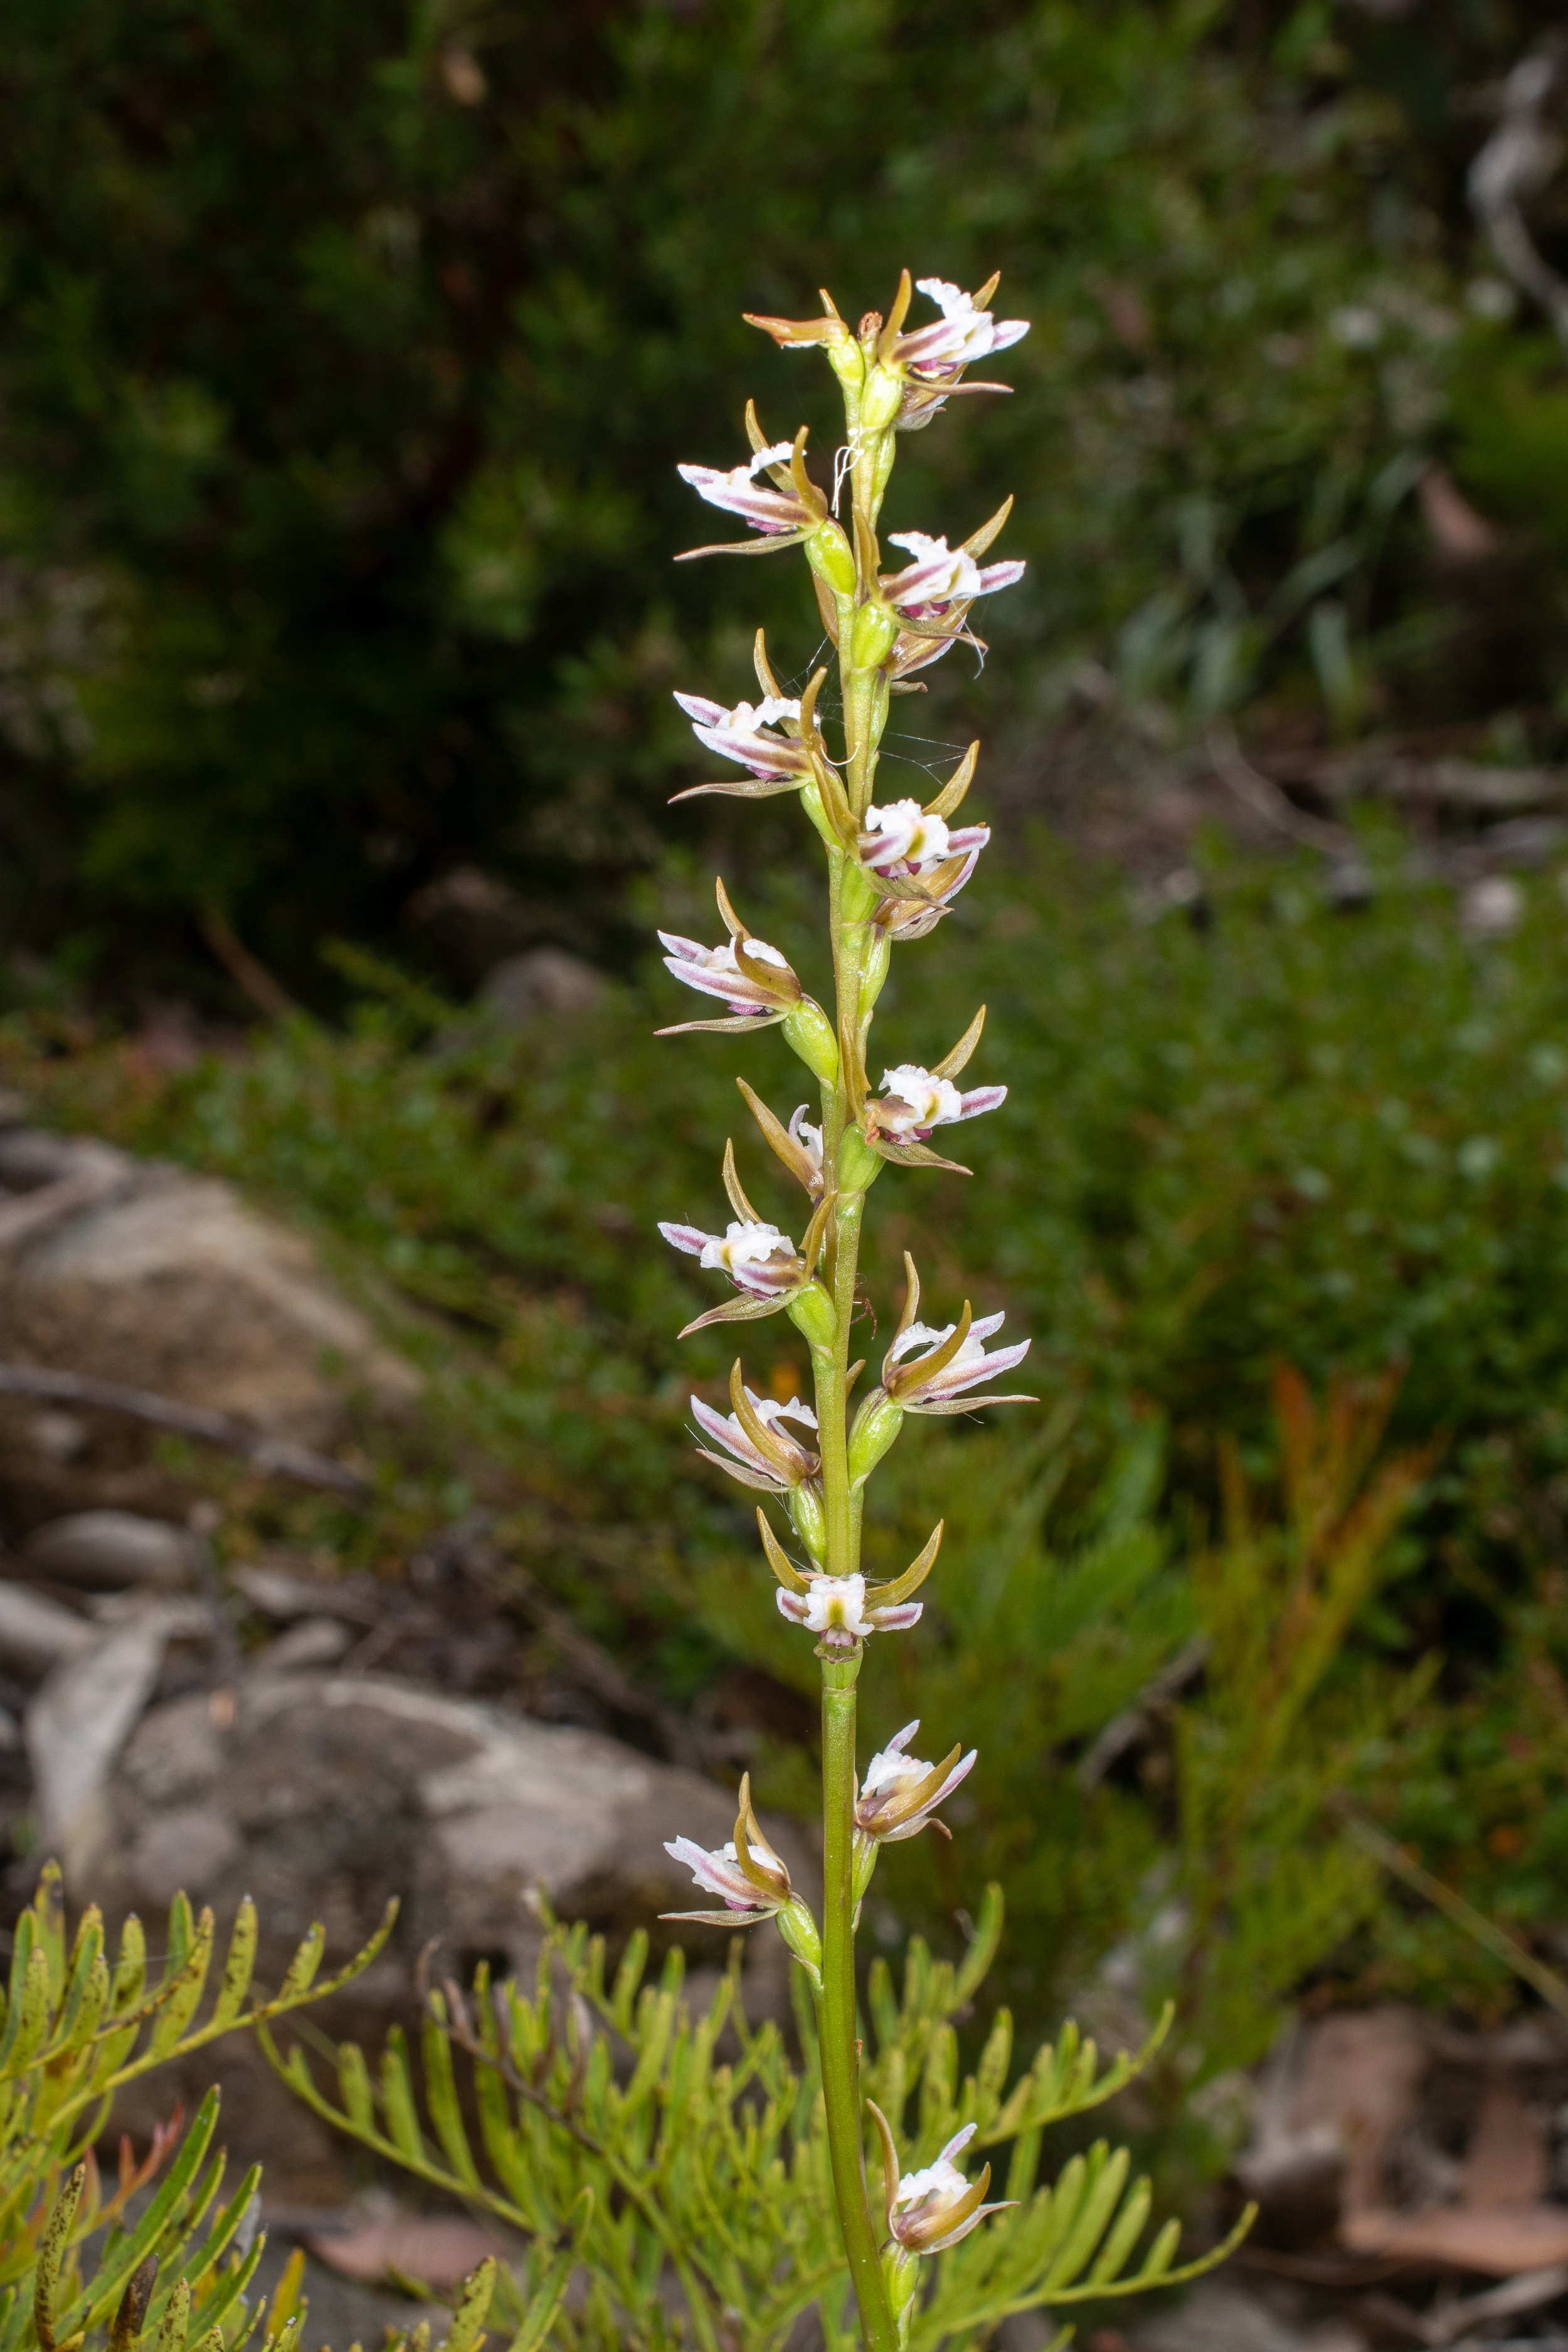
(349, 352)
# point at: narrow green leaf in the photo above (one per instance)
(238, 1967)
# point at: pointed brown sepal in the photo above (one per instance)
(795, 1157)
(749, 1309)
(978, 542)
(765, 669)
(826, 605)
(887, 1596)
(737, 788)
(950, 1064)
(911, 1296)
(868, 555)
(910, 1802)
(731, 1027)
(887, 338)
(956, 786)
(962, 2210)
(809, 730)
(816, 1232)
(835, 804)
(769, 546)
(765, 1867)
(796, 331)
(890, 2174)
(915, 1155)
(778, 1560)
(968, 1403)
(938, 1360)
(734, 1188)
(800, 482)
(755, 1427)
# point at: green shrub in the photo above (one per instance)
(1288, 1133)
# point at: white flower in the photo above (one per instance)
(717, 973)
(738, 490)
(718, 1872)
(964, 333)
(920, 1391)
(906, 835)
(756, 1258)
(905, 843)
(931, 2209)
(809, 1139)
(783, 1464)
(915, 1100)
(941, 575)
(836, 1608)
(745, 735)
(899, 1794)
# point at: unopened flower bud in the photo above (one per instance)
(813, 1314)
(881, 400)
(858, 1166)
(811, 1035)
(877, 962)
(798, 1929)
(831, 558)
(873, 636)
(804, 1504)
(877, 1425)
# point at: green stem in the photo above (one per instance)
(840, 2043)
(848, 905)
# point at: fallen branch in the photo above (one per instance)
(271, 1454)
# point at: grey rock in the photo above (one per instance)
(281, 1594)
(132, 1272)
(76, 1725)
(310, 1642)
(104, 1551)
(324, 1794)
(36, 1633)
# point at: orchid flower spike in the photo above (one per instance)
(931, 2209)
(900, 1795)
(915, 1100)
